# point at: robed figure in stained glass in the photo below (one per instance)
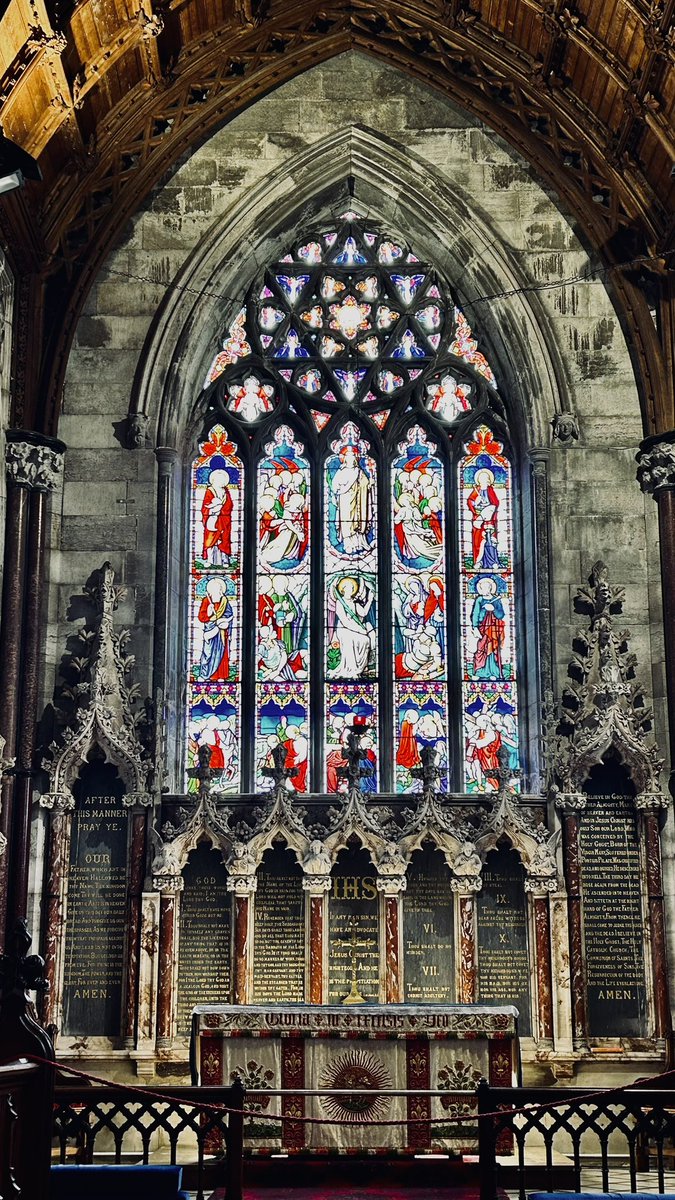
(216, 614)
(487, 618)
(352, 501)
(217, 518)
(483, 503)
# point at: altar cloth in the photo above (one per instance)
(401, 1048)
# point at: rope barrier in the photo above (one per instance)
(458, 1119)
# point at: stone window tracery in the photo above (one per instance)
(352, 557)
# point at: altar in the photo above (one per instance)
(355, 1050)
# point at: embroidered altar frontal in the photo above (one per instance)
(399, 1048)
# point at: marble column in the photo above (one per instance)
(465, 890)
(539, 892)
(391, 888)
(61, 808)
(650, 805)
(243, 888)
(34, 465)
(571, 805)
(316, 888)
(169, 889)
(656, 475)
(135, 877)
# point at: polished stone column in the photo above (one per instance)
(539, 893)
(466, 888)
(34, 468)
(391, 888)
(61, 808)
(164, 683)
(135, 877)
(243, 888)
(656, 475)
(650, 805)
(170, 889)
(571, 805)
(316, 888)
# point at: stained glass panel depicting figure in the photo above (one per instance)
(486, 570)
(350, 490)
(215, 607)
(283, 719)
(283, 606)
(419, 607)
(421, 719)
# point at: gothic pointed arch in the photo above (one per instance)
(361, 586)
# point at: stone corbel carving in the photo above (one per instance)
(316, 864)
(391, 885)
(97, 707)
(34, 465)
(602, 705)
(466, 869)
(136, 430)
(565, 427)
(242, 885)
(656, 463)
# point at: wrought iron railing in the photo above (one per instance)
(114, 1124)
(615, 1130)
(621, 1129)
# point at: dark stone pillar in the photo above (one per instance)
(164, 683)
(656, 475)
(571, 805)
(650, 806)
(135, 896)
(34, 467)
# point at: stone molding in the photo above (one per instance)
(391, 885)
(34, 465)
(656, 463)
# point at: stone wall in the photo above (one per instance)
(466, 200)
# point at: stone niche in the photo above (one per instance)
(204, 935)
(279, 930)
(429, 930)
(97, 901)
(504, 974)
(353, 929)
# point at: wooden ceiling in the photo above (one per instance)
(107, 94)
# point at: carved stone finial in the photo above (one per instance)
(97, 706)
(603, 704)
(656, 463)
(428, 772)
(34, 465)
(565, 427)
(202, 772)
(358, 767)
(279, 773)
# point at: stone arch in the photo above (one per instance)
(401, 192)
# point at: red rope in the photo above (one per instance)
(203, 1106)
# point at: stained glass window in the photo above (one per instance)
(282, 615)
(214, 700)
(363, 577)
(486, 573)
(350, 583)
(420, 610)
